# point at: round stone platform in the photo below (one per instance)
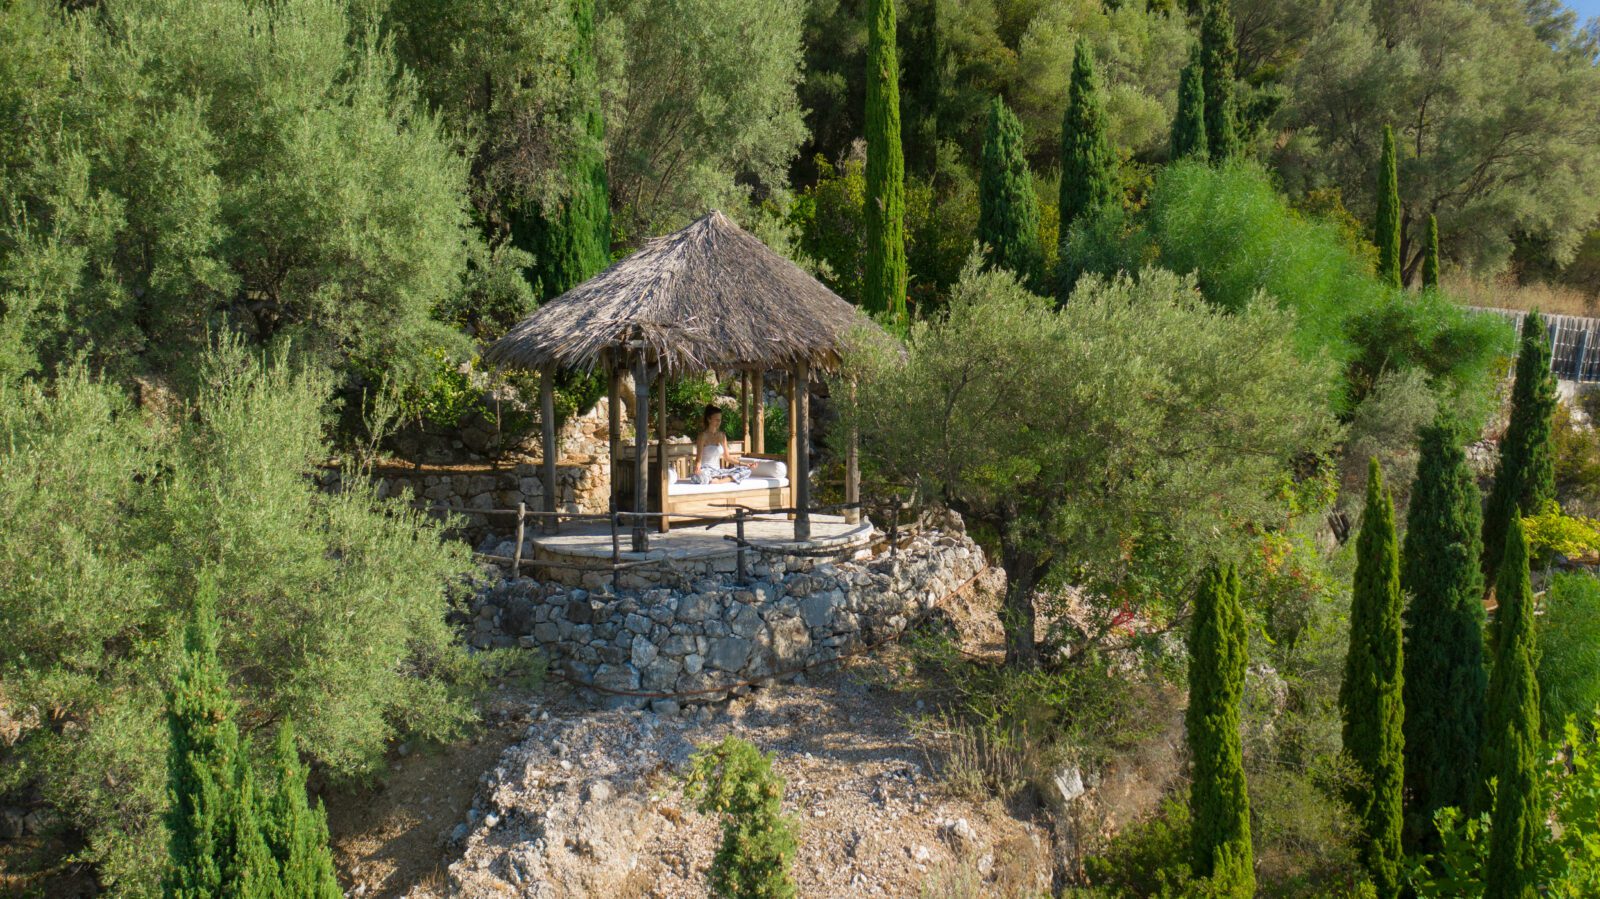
(693, 549)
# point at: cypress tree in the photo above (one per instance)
(215, 846)
(1189, 126)
(1445, 678)
(923, 88)
(1220, 826)
(1370, 695)
(1524, 479)
(297, 834)
(1511, 750)
(1088, 167)
(1430, 258)
(1387, 228)
(1008, 213)
(1219, 59)
(885, 288)
(570, 238)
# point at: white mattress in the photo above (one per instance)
(685, 488)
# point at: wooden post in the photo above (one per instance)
(802, 450)
(744, 410)
(758, 387)
(641, 451)
(516, 554)
(616, 539)
(661, 446)
(547, 423)
(792, 460)
(614, 422)
(852, 465)
(738, 522)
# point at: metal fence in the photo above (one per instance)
(1574, 342)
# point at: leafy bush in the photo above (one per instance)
(735, 780)
(332, 605)
(1575, 448)
(1553, 532)
(1150, 858)
(1231, 228)
(1569, 650)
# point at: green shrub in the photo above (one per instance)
(332, 605)
(1569, 650)
(735, 780)
(1149, 858)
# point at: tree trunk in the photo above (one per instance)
(1016, 612)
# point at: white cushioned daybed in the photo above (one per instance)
(767, 487)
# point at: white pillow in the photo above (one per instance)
(672, 475)
(770, 468)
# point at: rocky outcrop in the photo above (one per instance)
(713, 637)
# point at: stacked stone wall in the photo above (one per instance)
(716, 635)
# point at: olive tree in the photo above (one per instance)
(1119, 443)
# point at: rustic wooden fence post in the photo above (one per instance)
(743, 567)
(516, 554)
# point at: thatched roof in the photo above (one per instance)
(710, 296)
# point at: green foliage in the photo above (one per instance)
(1511, 734)
(1008, 220)
(1088, 164)
(1237, 235)
(1525, 476)
(1370, 696)
(1189, 127)
(1458, 79)
(735, 780)
(217, 165)
(569, 237)
(118, 517)
(1445, 678)
(886, 175)
(215, 842)
(1386, 227)
(1048, 428)
(1149, 858)
(1430, 256)
(1552, 532)
(1220, 839)
(1575, 455)
(701, 110)
(296, 833)
(1569, 650)
(1218, 59)
(1568, 851)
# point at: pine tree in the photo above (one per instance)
(1525, 476)
(1370, 695)
(1219, 59)
(1189, 126)
(1430, 257)
(1387, 227)
(1511, 747)
(735, 780)
(885, 287)
(1220, 806)
(215, 846)
(570, 238)
(1008, 213)
(1088, 166)
(1445, 678)
(297, 834)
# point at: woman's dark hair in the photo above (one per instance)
(711, 409)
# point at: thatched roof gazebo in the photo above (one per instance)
(710, 297)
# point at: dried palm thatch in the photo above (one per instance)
(707, 297)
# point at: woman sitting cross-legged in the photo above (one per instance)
(714, 462)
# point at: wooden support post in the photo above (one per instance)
(738, 522)
(547, 424)
(792, 460)
(894, 528)
(616, 537)
(614, 421)
(758, 387)
(852, 465)
(516, 554)
(744, 410)
(802, 450)
(661, 447)
(641, 452)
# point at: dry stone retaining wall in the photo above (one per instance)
(710, 637)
